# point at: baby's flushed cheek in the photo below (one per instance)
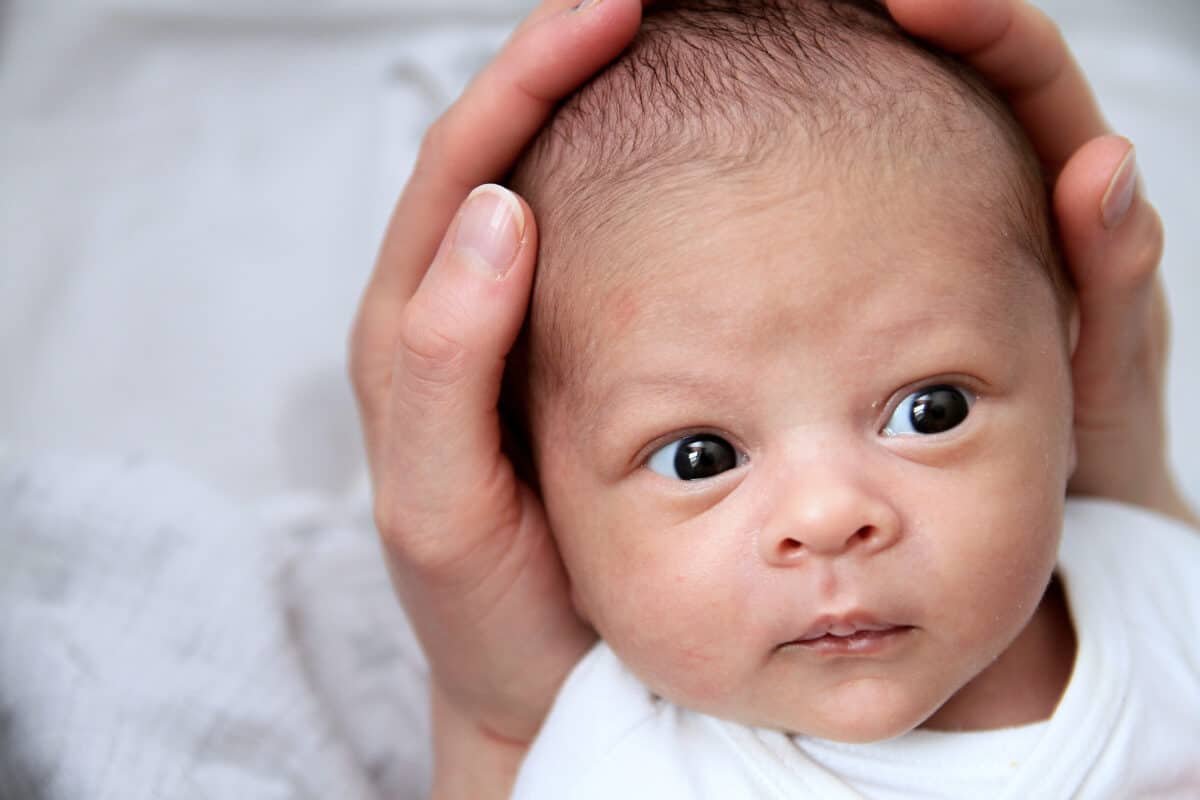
(678, 623)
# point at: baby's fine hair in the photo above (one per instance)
(718, 88)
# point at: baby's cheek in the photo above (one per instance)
(677, 632)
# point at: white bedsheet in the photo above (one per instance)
(191, 193)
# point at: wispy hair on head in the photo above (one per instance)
(720, 87)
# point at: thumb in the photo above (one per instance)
(441, 457)
(1113, 241)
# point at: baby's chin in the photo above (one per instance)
(867, 711)
(861, 727)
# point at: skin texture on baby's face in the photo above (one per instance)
(773, 334)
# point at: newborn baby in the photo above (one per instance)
(795, 384)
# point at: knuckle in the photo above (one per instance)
(437, 530)
(1051, 32)
(432, 358)
(1045, 31)
(1050, 40)
(401, 538)
(441, 153)
(416, 542)
(434, 143)
(1147, 251)
(388, 521)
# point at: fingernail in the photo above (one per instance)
(1118, 197)
(584, 4)
(490, 228)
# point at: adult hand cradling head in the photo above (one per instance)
(468, 544)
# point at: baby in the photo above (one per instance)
(796, 387)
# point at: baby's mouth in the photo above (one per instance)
(852, 633)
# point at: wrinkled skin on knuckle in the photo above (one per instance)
(433, 144)
(438, 535)
(434, 361)
(434, 163)
(1052, 40)
(389, 522)
(1144, 264)
(412, 541)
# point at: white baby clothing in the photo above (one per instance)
(1128, 724)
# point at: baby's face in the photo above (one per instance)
(812, 477)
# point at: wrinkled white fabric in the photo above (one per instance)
(158, 640)
(1128, 724)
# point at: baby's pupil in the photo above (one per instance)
(703, 456)
(938, 409)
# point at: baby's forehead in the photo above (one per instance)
(615, 246)
(737, 263)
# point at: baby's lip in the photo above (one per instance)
(845, 625)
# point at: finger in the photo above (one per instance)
(476, 141)
(1022, 53)
(1113, 240)
(482, 133)
(549, 8)
(442, 454)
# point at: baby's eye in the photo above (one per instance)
(933, 409)
(692, 458)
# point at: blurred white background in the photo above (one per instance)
(191, 195)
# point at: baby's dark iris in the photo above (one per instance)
(938, 408)
(703, 456)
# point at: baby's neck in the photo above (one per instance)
(1025, 683)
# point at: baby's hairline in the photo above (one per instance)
(574, 343)
(862, 89)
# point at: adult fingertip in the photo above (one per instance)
(1089, 191)
(490, 230)
(1118, 195)
(1112, 237)
(581, 6)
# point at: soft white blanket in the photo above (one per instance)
(191, 193)
(159, 640)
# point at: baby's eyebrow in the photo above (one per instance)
(601, 405)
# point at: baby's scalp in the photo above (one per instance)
(713, 90)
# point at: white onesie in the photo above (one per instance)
(1128, 724)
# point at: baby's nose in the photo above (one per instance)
(831, 514)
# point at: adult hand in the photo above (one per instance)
(1112, 240)
(467, 544)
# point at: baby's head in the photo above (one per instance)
(795, 375)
